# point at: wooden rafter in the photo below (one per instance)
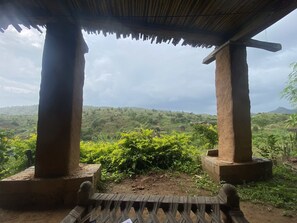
(272, 47)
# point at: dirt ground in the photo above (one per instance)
(166, 184)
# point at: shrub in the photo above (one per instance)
(206, 134)
(140, 151)
(13, 152)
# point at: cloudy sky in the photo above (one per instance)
(130, 73)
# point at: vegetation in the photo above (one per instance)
(14, 152)
(280, 191)
(290, 91)
(130, 141)
(141, 151)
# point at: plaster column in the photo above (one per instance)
(60, 104)
(233, 105)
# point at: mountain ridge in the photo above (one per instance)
(33, 110)
(283, 110)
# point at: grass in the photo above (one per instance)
(280, 191)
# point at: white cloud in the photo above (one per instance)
(27, 37)
(17, 87)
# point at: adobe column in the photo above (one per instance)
(60, 104)
(233, 105)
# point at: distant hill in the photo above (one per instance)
(99, 122)
(108, 122)
(282, 110)
(19, 110)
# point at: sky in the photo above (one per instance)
(130, 73)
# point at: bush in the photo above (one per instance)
(206, 135)
(141, 151)
(13, 152)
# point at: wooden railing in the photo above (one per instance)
(117, 208)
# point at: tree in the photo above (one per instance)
(290, 91)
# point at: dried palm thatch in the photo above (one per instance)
(198, 23)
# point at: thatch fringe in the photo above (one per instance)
(191, 22)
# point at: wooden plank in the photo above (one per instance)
(170, 204)
(272, 47)
(212, 56)
(75, 214)
(237, 216)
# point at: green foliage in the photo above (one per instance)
(277, 147)
(13, 152)
(206, 135)
(140, 151)
(268, 120)
(111, 122)
(167, 148)
(290, 91)
(5, 151)
(203, 181)
(271, 138)
(280, 191)
(270, 149)
(291, 122)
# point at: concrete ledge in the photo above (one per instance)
(23, 189)
(237, 173)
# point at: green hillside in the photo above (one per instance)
(106, 122)
(19, 110)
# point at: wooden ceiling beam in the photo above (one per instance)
(272, 47)
(258, 23)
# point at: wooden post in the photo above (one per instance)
(60, 104)
(85, 192)
(229, 197)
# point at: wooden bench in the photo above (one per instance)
(113, 208)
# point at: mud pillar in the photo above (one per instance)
(60, 104)
(233, 162)
(233, 105)
(57, 174)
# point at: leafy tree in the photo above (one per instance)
(292, 121)
(290, 91)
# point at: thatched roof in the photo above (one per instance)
(198, 22)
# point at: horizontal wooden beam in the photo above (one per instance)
(212, 56)
(273, 47)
